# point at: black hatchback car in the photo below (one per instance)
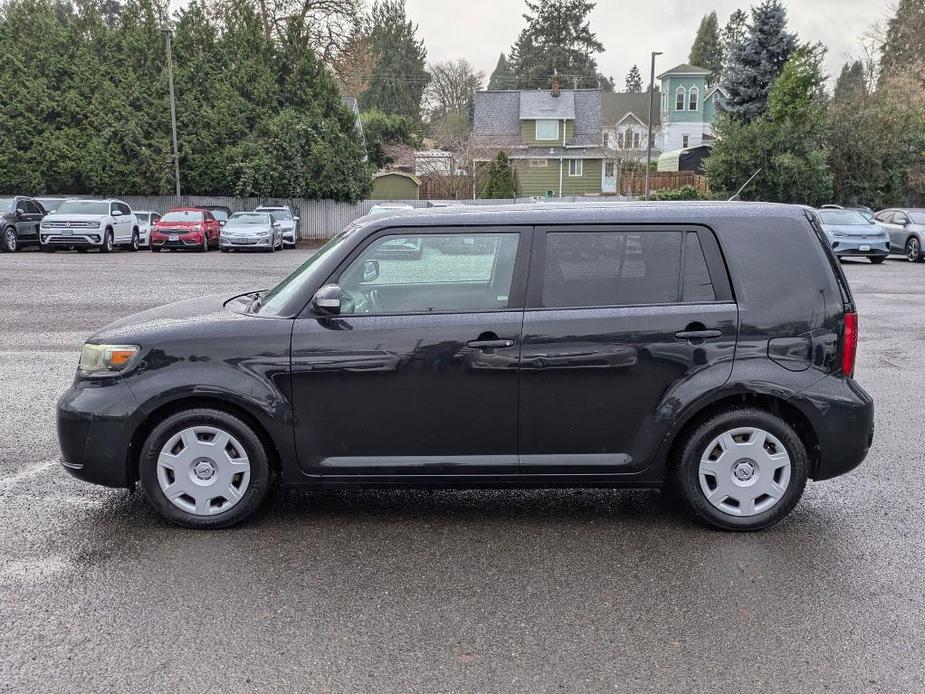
(707, 345)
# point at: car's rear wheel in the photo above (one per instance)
(876, 260)
(913, 250)
(9, 241)
(204, 468)
(136, 243)
(742, 469)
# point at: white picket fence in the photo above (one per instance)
(318, 219)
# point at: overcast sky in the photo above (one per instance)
(479, 30)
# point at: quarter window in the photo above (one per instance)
(547, 130)
(431, 273)
(698, 286)
(575, 167)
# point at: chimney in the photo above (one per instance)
(556, 84)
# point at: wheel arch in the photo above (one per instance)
(196, 401)
(764, 401)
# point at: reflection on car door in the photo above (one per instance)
(614, 336)
(885, 220)
(418, 375)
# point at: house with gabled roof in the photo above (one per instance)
(688, 107)
(553, 138)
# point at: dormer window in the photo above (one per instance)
(547, 129)
(692, 99)
(679, 99)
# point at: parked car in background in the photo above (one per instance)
(185, 227)
(906, 227)
(866, 211)
(252, 231)
(220, 212)
(288, 222)
(706, 347)
(384, 210)
(852, 235)
(146, 220)
(83, 224)
(20, 217)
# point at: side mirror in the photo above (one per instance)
(370, 270)
(295, 219)
(276, 225)
(327, 300)
(116, 213)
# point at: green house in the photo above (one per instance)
(688, 108)
(552, 137)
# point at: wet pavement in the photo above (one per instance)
(405, 591)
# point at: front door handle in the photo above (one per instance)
(697, 334)
(489, 344)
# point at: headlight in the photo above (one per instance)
(95, 359)
(263, 233)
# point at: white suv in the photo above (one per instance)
(82, 224)
(287, 222)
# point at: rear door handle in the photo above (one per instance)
(697, 334)
(489, 344)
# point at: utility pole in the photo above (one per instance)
(649, 136)
(173, 110)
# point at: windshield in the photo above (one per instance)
(842, 217)
(242, 218)
(6, 203)
(50, 204)
(143, 217)
(183, 216)
(83, 207)
(278, 213)
(219, 214)
(276, 299)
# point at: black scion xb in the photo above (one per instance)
(707, 345)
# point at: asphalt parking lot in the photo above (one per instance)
(448, 590)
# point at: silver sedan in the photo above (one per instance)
(253, 231)
(906, 228)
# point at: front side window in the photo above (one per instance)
(584, 269)
(575, 167)
(547, 130)
(679, 99)
(427, 273)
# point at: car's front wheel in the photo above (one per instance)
(9, 241)
(204, 468)
(136, 243)
(742, 469)
(106, 246)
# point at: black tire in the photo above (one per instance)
(261, 475)
(155, 249)
(48, 248)
(135, 244)
(876, 260)
(205, 243)
(913, 250)
(9, 242)
(107, 245)
(686, 467)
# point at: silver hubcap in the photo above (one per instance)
(744, 471)
(11, 240)
(203, 470)
(913, 249)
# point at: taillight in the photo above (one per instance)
(849, 344)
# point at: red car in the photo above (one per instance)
(185, 227)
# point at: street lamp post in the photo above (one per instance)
(173, 110)
(649, 136)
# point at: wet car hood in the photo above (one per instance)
(246, 229)
(192, 318)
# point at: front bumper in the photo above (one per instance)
(95, 426)
(246, 242)
(190, 240)
(91, 239)
(842, 416)
(845, 247)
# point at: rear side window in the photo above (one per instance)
(610, 268)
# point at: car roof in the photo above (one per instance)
(261, 208)
(539, 214)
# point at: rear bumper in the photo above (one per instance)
(94, 432)
(842, 415)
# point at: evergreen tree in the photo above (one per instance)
(850, 82)
(707, 50)
(556, 40)
(787, 142)
(904, 44)
(734, 35)
(400, 76)
(500, 183)
(755, 63)
(381, 130)
(605, 83)
(502, 77)
(634, 81)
